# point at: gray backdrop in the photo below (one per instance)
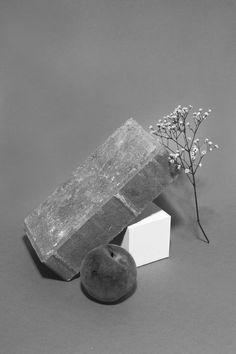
(71, 72)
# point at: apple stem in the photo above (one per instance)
(110, 251)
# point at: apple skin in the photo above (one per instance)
(108, 274)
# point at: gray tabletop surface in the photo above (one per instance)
(71, 72)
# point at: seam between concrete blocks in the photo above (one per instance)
(128, 204)
(66, 265)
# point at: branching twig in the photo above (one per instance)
(186, 152)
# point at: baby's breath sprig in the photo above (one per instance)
(178, 135)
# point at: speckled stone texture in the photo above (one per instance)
(100, 198)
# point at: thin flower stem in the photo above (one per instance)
(186, 143)
(198, 164)
(188, 155)
(170, 137)
(194, 134)
(197, 211)
(195, 188)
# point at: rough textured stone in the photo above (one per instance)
(99, 199)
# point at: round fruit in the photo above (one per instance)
(108, 274)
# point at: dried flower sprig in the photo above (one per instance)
(178, 135)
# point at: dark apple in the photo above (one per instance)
(108, 274)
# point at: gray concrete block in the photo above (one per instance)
(100, 198)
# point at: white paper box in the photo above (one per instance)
(149, 239)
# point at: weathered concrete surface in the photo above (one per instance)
(99, 199)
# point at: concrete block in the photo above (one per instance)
(99, 199)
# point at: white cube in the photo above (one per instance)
(149, 239)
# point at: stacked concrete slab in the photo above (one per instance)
(100, 198)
